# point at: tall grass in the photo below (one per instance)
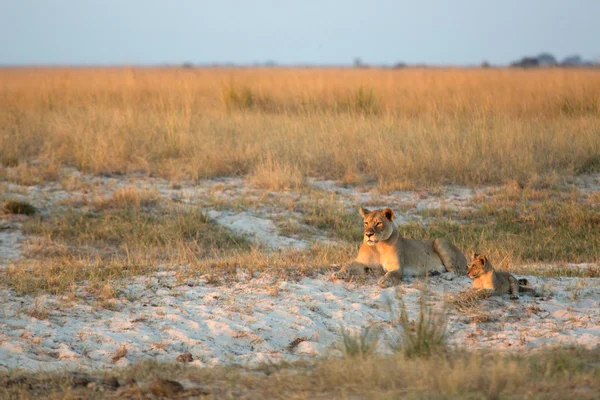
(424, 336)
(398, 127)
(360, 344)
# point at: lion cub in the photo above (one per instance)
(487, 278)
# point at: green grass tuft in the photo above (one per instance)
(18, 207)
(329, 214)
(360, 344)
(424, 336)
(588, 165)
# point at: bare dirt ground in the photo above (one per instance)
(258, 316)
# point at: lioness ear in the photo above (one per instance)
(364, 211)
(389, 214)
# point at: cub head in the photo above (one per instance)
(378, 225)
(478, 266)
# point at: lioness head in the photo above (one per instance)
(378, 225)
(478, 266)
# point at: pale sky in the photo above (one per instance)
(145, 32)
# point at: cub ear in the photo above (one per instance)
(482, 259)
(364, 211)
(389, 214)
(474, 256)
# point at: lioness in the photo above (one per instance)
(487, 278)
(385, 251)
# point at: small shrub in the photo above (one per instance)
(18, 207)
(588, 165)
(363, 101)
(37, 310)
(425, 336)
(245, 98)
(360, 344)
(9, 160)
(578, 106)
(238, 99)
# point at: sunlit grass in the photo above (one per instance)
(545, 374)
(400, 128)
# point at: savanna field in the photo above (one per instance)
(183, 224)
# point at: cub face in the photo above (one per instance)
(478, 266)
(377, 225)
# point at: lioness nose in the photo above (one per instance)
(369, 234)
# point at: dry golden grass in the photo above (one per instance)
(128, 197)
(37, 310)
(119, 353)
(516, 226)
(399, 127)
(468, 301)
(273, 175)
(546, 374)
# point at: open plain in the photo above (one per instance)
(148, 213)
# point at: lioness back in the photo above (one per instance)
(419, 257)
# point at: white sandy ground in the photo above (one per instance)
(257, 319)
(10, 245)
(260, 230)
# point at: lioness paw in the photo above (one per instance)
(448, 276)
(387, 281)
(514, 297)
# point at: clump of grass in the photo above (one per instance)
(119, 353)
(244, 98)
(360, 344)
(237, 98)
(424, 336)
(38, 310)
(129, 197)
(9, 160)
(18, 207)
(362, 101)
(579, 106)
(330, 215)
(588, 165)
(30, 174)
(295, 343)
(276, 175)
(468, 301)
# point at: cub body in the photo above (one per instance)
(385, 251)
(485, 277)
